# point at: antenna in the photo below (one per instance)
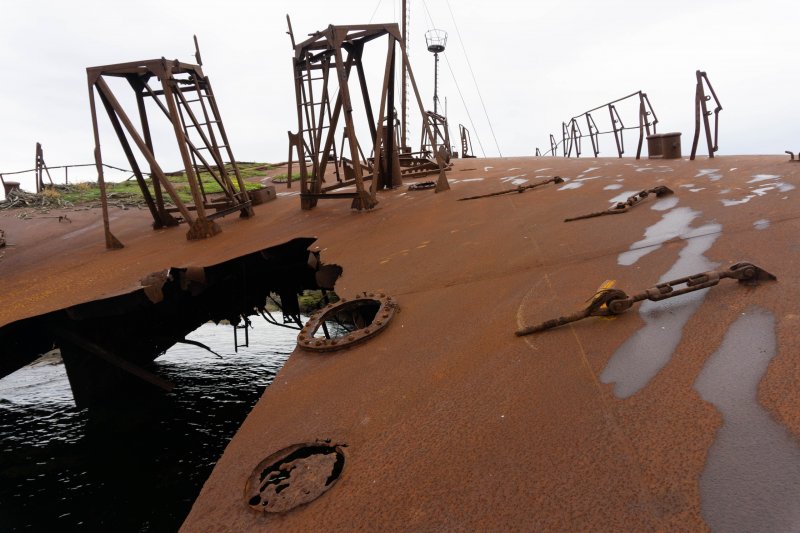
(290, 32)
(436, 41)
(197, 52)
(404, 82)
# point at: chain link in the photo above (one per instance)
(614, 301)
(623, 207)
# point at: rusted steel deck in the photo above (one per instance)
(450, 421)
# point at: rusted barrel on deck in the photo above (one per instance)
(664, 145)
(10, 186)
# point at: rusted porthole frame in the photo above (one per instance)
(386, 311)
(255, 480)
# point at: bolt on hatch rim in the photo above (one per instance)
(351, 320)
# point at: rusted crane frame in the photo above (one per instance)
(701, 109)
(571, 133)
(324, 51)
(177, 108)
(310, 131)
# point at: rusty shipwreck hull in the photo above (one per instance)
(446, 419)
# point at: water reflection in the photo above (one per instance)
(133, 470)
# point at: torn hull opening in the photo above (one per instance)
(107, 344)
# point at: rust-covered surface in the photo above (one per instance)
(450, 421)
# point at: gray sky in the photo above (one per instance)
(536, 64)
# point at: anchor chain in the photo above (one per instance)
(623, 207)
(609, 302)
(518, 189)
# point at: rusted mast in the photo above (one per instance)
(403, 90)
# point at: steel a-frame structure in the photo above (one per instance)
(323, 65)
(184, 95)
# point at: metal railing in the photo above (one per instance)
(40, 170)
(571, 133)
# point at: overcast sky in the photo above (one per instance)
(535, 63)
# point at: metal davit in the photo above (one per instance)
(182, 92)
(323, 65)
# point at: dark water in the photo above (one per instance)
(139, 470)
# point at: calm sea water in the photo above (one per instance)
(138, 470)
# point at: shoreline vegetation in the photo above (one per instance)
(309, 300)
(128, 194)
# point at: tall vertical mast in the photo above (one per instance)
(403, 143)
(436, 83)
(436, 41)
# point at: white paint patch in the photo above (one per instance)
(571, 185)
(513, 169)
(761, 223)
(698, 189)
(763, 177)
(541, 169)
(645, 353)
(588, 178)
(675, 223)
(621, 197)
(665, 204)
(612, 187)
(487, 169)
(506, 179)
(734, 168)
(472, 179)
(687, 185)
(729, 203)
(657, 169)
(518, 181)
(710, 173)
(590, 169)
(760, 191)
